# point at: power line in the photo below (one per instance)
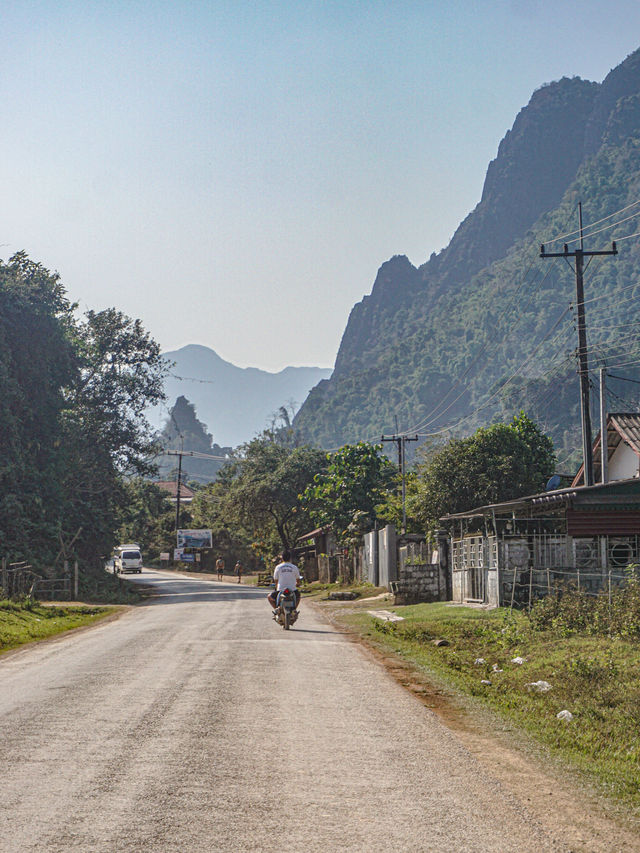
(606, 228)
(499, 390)
(434, 414)
(597, 222)
(579, 255)
(624, 378)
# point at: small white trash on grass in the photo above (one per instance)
(539, 686)
(519, 661)
(565, 715)
(479, 662)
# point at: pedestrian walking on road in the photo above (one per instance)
(220, 567)
(239, 570)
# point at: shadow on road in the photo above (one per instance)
(164, 590)
(311, 631)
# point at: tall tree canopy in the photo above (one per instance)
(72, 399)
(496, 463)
(257, 493)
(357, 478)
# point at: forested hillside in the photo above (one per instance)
(486, 327)
(184, 431)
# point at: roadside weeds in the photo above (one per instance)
(23, 623)
(589, 811)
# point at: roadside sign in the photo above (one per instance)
(165, 555)
(194, 539)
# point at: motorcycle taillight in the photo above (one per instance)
(287, 591)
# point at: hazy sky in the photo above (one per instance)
(234, 173)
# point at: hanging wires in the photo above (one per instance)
(597, 222)
(434, 414)
(506, 383)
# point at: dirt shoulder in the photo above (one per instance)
(579, 816)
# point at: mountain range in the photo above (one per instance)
(487, 327)
(235, 403)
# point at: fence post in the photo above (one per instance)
(548, 581)
(75, 581)
(513, 588)
(578, 573)
(530, 587)
(5, 579)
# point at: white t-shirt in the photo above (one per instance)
(286, 576)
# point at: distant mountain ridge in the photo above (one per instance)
(234, 402)
(445, 345)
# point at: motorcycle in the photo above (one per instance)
(286, 613)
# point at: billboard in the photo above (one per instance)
(194, 539)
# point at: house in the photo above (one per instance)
(313, 552)
(171, 488)
(513, 552)
(623, 449)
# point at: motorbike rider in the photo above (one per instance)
(286, 576)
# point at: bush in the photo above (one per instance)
(574, 611)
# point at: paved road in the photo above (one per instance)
(194, 723)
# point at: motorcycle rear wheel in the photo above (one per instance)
(286, 620)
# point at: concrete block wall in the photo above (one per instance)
(418, 582)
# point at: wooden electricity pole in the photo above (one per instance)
(400, 441)
(583, 366)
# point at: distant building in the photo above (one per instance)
(171, 488)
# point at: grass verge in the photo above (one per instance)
(24, 622)
(597, 679)
(320, 591)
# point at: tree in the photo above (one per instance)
(497, 463)
(259, 491)
(72, 400)
(357, 478)
(37, 362)
(146, 516)
(107, 436)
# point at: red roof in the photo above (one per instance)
(171, 487)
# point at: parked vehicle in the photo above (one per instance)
(127, 558)
(286, 613)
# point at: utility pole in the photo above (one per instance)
(197, 455)
(400, 441)
(604, 438)
(178, 492)
(583, 366)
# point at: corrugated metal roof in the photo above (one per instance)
(597, 494)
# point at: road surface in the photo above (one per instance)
(195, 723)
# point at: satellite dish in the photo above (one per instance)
(553, 483)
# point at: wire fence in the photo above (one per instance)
(522, 588)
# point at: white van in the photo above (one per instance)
(127, 558)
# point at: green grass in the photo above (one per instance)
(596, 678)
(22, 623)
(319, 590)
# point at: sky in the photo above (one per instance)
(234, 173)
